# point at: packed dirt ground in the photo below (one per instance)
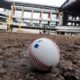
(15, 64)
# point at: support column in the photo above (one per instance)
(32, 17)
(41, 19)
(22, 19)
(59, 17)
(10, 17)
(49, 18)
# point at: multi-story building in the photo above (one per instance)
(71, 13)
(32, 15)
(71, 17)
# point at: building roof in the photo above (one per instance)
(5, 4)
(67, 3)
(71, 6)
(35, 5)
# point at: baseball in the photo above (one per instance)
(44, 54)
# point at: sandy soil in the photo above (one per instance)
(14, 60)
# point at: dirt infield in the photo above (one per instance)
(14, 60)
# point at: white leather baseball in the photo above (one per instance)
(44, 53)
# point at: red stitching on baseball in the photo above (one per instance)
(38, 61)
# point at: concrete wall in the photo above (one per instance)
(27, 30)
(34, 31)
(68, 28)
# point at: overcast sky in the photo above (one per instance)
(57, 3)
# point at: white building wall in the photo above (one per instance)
(4, 26)
(26, 30)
